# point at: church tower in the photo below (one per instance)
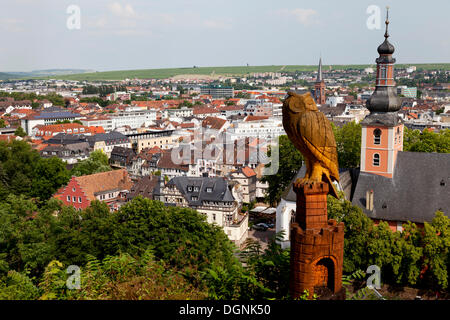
(382, 130)
(319, 86)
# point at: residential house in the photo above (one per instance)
(211, 197)
(70, 153)
(246, 177)
(110, 187)
(107, 141)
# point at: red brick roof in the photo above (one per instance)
(255, 118)
(101, 182)
(248, 172)
(213, 123)
(205, 110)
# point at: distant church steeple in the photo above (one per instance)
(319, 72)
(319, 86)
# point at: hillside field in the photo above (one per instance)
(215, 71)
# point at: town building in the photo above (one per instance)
(407, 92)
(134, 117)
(110, 187)
(211, 197)
(70, 153)
(163, 139)
(47, 131)
(218, 91)
(121, 157)
(246, 177)
(47, 117)
(107, 141)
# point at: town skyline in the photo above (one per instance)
(128, 35)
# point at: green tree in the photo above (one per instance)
(20, 132)
(290, 161)
(18, 286)
(426, 141)
(97, 162)
(49, 175)
(348, 142)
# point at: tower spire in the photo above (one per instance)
(386, 34)
(319, 71)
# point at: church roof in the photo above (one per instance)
(419, 187)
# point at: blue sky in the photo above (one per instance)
(139, 34)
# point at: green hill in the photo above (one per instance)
(225, 71)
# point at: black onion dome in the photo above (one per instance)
(386, 48)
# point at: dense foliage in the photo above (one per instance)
(55, 98)
(97, 162)
(290, 161)
(24, 172)
(414, 257)
(426, 141)
(102, 90)
(348, 142)
(35, 241)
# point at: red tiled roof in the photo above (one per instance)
(255, 118)
(213, 123)
(100, 182)
(205, 110)
(248, 172)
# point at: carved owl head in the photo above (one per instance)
(300, 102)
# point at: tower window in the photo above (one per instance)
(383, 72)
(376, 136)
(376, 159)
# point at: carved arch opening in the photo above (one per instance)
(324, 273)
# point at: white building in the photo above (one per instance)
(256, 127)
(133, 118)
(334, 100)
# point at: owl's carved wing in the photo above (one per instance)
(323, 145)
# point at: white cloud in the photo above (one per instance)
(305, 17)
(11, 25)
(217, 24)
(123, 11)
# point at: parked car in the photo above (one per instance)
(260, 226)
(270, 225)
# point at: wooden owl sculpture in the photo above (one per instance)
(311, 133)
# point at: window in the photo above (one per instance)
(73, 189)
(214, 216)
(383, 72)
(194, 198)
(74, 199)
(79, 199)
(189, 188)
(376, 159)
(68, 198)
(376, 136)
(196, 189)
(209, 190)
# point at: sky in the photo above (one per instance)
(143, 34)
